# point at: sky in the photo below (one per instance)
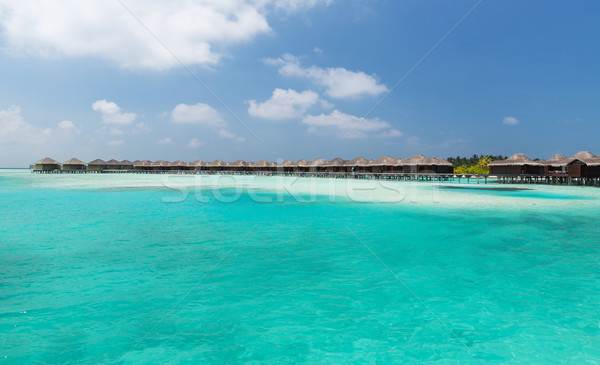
(290, 79)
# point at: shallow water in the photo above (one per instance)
(146, 268)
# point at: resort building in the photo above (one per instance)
(517, 164)
(46, 164)
(74, 165)
(97, 165)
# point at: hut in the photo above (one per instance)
(73, 165)
(517, 164)
(46, 164)
(317, 165)
(358, 164)
(258, 166)
(584, 164)
(335, 165)
(97, 165)
(144, 165)
(286, 166)
(384, 164)
(238, 166)
(556, 165)
(113, 165)
(126, 165)
(198, 165)
(216, 165)
(421, 164)
(301, 166)
(179, 166)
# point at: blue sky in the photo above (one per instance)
(291, 79)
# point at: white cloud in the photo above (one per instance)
(111, 113)
(284, 104)
(116, 143)
(195, 143)
(69, 127)
(510, 121)
(339, 83)
(392, 133)
(347, 125)
(165, 141)
(13, 128)
(195, 31)
(196, 114)
(223, 133)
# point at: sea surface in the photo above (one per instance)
(109, 269)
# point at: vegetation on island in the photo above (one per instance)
(476, 164)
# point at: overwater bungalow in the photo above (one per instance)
(317, 165)
(335, 165)
(126, 165)
(286, 166)
(556, 165)
(421, 164)
(585, 164)
(97, 165)
(385, 164)
(358, 164)
(144, 165)
(198, 165)
(517, 164)
(46, 164)
(301, 166)
(114, 165)
(259, 166)
(238, 166)
(73, 165)
(216, 165)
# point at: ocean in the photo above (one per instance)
(99, 268)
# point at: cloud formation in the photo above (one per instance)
(196, 114)
(510, 121)
(223, 133)
(111, 113)
(195, 31)
(165, 141)
(349, 126)
(284, 104)
(339, 83)
(195, 143)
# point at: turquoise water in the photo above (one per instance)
(97, 272)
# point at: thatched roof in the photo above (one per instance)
(557, 160)
(441, 162)
(144, 163)
(198, 163)
(97, 162)
(286, 163)
(359, 161)
(74, 161)
(126, 163)
(47, 161)
(301, 163)
(384, 161)
(335, 162)
(518, 159)
(178, 163)
(113, 162)
(587, 157)
(216, 163)
(161, 163)
(261, 163)
(271, 164)
(239, 163)
(317, 162)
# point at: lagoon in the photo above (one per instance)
(220, 269)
